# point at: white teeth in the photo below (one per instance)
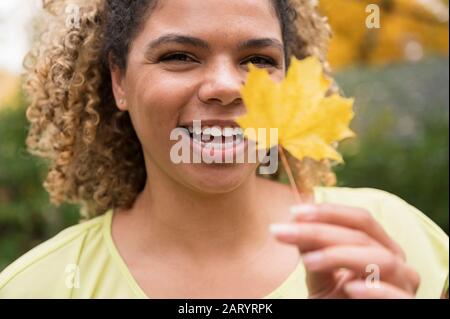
(209, 134)
(228, 132)
(206, 134)
(216, 131)
(197, 130)
(206, 131)
(238, 131)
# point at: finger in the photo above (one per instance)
(311, 237)
(364, 261)
(314, 236)
(346, 216)
(361, 290)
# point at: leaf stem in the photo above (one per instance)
(289, 174)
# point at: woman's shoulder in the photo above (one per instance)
(51, 266)
(389, 209)
(425, 244)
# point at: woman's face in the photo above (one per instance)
(188, 63)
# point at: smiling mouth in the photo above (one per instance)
(215, 134)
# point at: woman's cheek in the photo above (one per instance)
(159, 98)
(157, 115)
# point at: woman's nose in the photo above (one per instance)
(222, 85)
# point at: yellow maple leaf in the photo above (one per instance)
(308, 121)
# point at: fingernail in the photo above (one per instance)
(312, 259)
(304, 209)
(354, 287)
(283, 229)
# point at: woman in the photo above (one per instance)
(108, 89)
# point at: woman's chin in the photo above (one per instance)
(217, 178)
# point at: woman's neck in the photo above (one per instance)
(169, 217)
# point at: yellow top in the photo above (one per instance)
(83, 262)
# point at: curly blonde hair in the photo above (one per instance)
(95, 158)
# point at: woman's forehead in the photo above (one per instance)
(256, 17)
(216, 7)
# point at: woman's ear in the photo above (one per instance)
(117, 78)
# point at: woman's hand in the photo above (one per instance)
(347, 254)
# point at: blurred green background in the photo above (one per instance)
(402, 122)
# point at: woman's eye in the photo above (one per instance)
(259, 60)
(181, 57)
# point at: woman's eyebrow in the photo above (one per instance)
(256, 43)
(177, 38)
(260, 43)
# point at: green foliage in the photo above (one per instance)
(402, 125)
(26, 217)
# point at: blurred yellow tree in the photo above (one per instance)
(9, 86)
(408, 29)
